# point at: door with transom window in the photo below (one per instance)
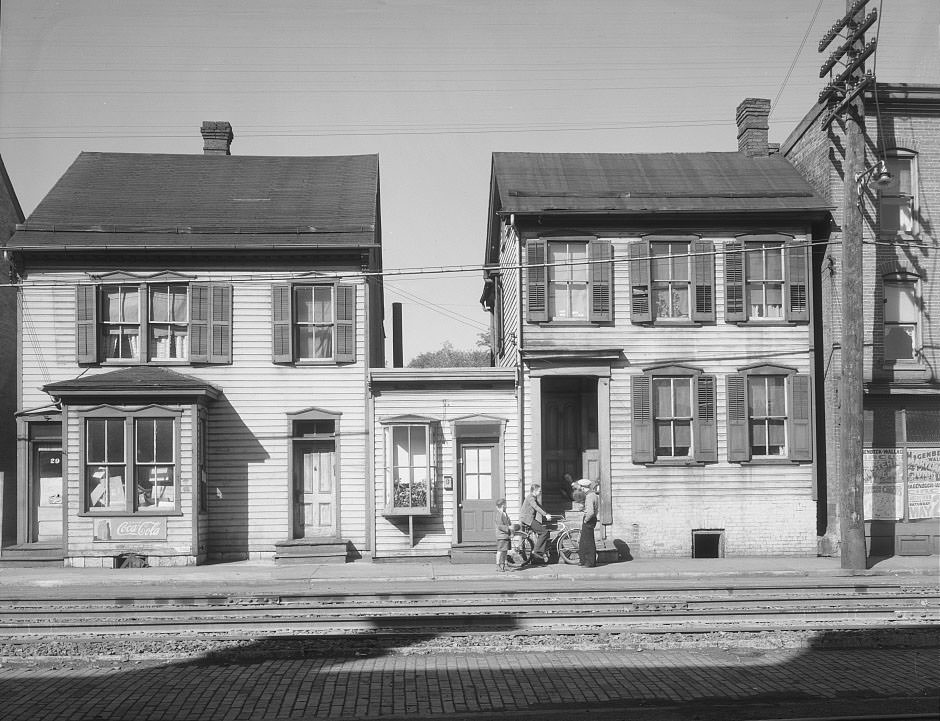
(478, 486)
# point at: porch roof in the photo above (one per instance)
(138, 381)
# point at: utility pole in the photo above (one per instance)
(848, 87)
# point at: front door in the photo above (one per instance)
(314, 489)
(45, 512)
(478, 486)
(561, 445)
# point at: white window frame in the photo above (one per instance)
(298, 325)
(895, 200)
(673, 419)
(559, 276)
(767, 418)
(900, 280)
(144, 325)
(753, 249)
(670, 283)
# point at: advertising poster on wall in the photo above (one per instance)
(884, 486)
(923, 482)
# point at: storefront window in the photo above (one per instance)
(411, 470)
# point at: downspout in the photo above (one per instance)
(520, 377)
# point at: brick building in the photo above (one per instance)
(901, 312)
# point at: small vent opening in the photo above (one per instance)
(708, 543)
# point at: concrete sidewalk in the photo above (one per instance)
(256, 575)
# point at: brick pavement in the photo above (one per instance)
(448, 685)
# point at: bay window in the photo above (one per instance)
(410, 466)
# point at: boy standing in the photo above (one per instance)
(503, 534)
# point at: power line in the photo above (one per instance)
(796, 57)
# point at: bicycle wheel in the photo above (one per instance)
(520, 550)
(568, 545)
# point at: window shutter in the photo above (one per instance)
(797, 281)
(739, 447)
(199, 322)
(220, 349)
(537, 284)
(281, 346)
(801, 422)
(86, 323)
(345, 351)
(703, 281)
(599, 253)
(642, 440)
(706, 435)
(640, 310)
(734, 282)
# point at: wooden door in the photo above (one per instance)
(561, 443)
(46, 495)
(314, 489)
(478, 487)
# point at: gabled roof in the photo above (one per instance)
(642, 183)
(133, 381)
(135, 199)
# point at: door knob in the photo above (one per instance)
(459, 505)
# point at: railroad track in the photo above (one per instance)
(846, 605)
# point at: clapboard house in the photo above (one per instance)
(197, 332)
(660, 309)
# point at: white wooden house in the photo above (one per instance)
(197, 333)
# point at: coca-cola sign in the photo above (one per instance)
(130, 529)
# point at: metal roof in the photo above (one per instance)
(135, 380)
(638, 183)
(187, 198)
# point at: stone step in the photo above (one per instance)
(28, 555)
(310, 550)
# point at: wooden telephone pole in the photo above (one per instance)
(848, 87)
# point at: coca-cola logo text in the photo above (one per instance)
(144, 529)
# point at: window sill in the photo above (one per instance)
(771, 462)
(568, 323)
(769, 323)
(393, 512)
(125, 514)
(675, 463)
(903, 237)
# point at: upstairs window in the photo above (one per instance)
(313, 323)
(674, 416)
(901, 320)
(672, 279)
(769, 414)
(898, 200)
(138, 321)
(568, 279)
(767, 279)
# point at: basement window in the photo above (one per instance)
(708, 543)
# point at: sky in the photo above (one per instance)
(433, 86)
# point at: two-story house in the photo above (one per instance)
(659, 307)
(196, 338)
(901, 461)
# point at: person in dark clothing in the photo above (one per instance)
(533, 515)
(503, 534)
(587, 550)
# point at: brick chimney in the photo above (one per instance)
(217, 136)
(752, 117)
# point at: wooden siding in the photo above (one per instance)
(434, 535)
(509, 260)
(248, 428)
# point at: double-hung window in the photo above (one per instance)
(901, 340)
(898, 199)
(409, 452)
(769, 414)
(673, 412)
(131, 462)
(672, 279)
(313, 323)
(767, 279)
(569, 280)
(153, 320)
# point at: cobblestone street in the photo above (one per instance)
(451, 685)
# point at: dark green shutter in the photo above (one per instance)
(703, 281)
(537, 281)
(734, 282)
(801, 421)
(642, 411)
(281, 346)
(797, 270)
(599, 253)
(345, 351)
(706, 431)
(220, 336)
(640, 308)
(86, 323)
(739, 446)
(199, 322)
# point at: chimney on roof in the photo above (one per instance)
(753, 123)
(217, 136)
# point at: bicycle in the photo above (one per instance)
(562, 543)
